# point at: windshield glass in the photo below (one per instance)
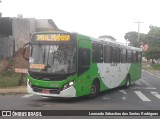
(56, 59)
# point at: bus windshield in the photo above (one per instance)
(56, 59)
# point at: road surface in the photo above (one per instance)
(142, 95)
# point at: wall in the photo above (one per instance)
(6, 46)
(22, 28)
(15, 32)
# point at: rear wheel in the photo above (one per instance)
(94, 89)
(128, 82)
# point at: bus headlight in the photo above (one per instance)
(68, 85)
(71, 83)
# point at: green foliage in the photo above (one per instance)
(156, 66)
(153, 40)
(132, 38)
(11, 79)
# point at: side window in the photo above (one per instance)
(116, 55)
(84, 57)
(134, 56)
(83, 60)
(97, 53)
(108, 54)
(129, 56)
(123, 55)
(139, 57)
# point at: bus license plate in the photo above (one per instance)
(46, 91)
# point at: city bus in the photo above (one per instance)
(63, 64)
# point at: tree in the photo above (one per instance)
(132, 37)
(153, 40)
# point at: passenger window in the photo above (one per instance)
(129, 56)
(116, 55)
(139, 57)
(97, 53)
(108, 54)
(134, 56)
(123, 55)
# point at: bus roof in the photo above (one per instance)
(95, 39)
(113, 43)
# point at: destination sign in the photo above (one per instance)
(53, 37)
(37, 66)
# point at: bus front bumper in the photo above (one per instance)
(69, 92)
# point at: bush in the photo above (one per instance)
(156, 66)
(11, 79)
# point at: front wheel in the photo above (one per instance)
(94, 89)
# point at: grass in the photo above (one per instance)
(156, 66)
(11, 79)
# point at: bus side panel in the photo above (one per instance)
(113, 76)
(135, 71)
(96, 75)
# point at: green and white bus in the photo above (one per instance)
(66, 64)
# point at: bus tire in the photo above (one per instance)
(95, 88)
(128, 82)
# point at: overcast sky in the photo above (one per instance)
(89, 17)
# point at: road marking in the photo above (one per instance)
(138, 83)
(136, 88)
(156, 94)
(123, 91)
(27, 95)
(149, 86)
(142, 96)
(124, 98)
(106, 98)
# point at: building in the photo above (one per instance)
(107, 38)
(15, 32)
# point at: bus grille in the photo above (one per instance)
(52, 90)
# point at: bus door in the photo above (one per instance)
(84, 62)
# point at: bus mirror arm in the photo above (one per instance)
(24, 50)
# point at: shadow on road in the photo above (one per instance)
(79, 99)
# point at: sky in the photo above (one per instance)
(89, 17)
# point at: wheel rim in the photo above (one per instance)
(93, 89)
(128, 82)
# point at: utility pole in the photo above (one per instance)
(138, 29)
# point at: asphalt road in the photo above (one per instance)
(142, 95)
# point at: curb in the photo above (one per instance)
(13, 90)
(150, 70)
